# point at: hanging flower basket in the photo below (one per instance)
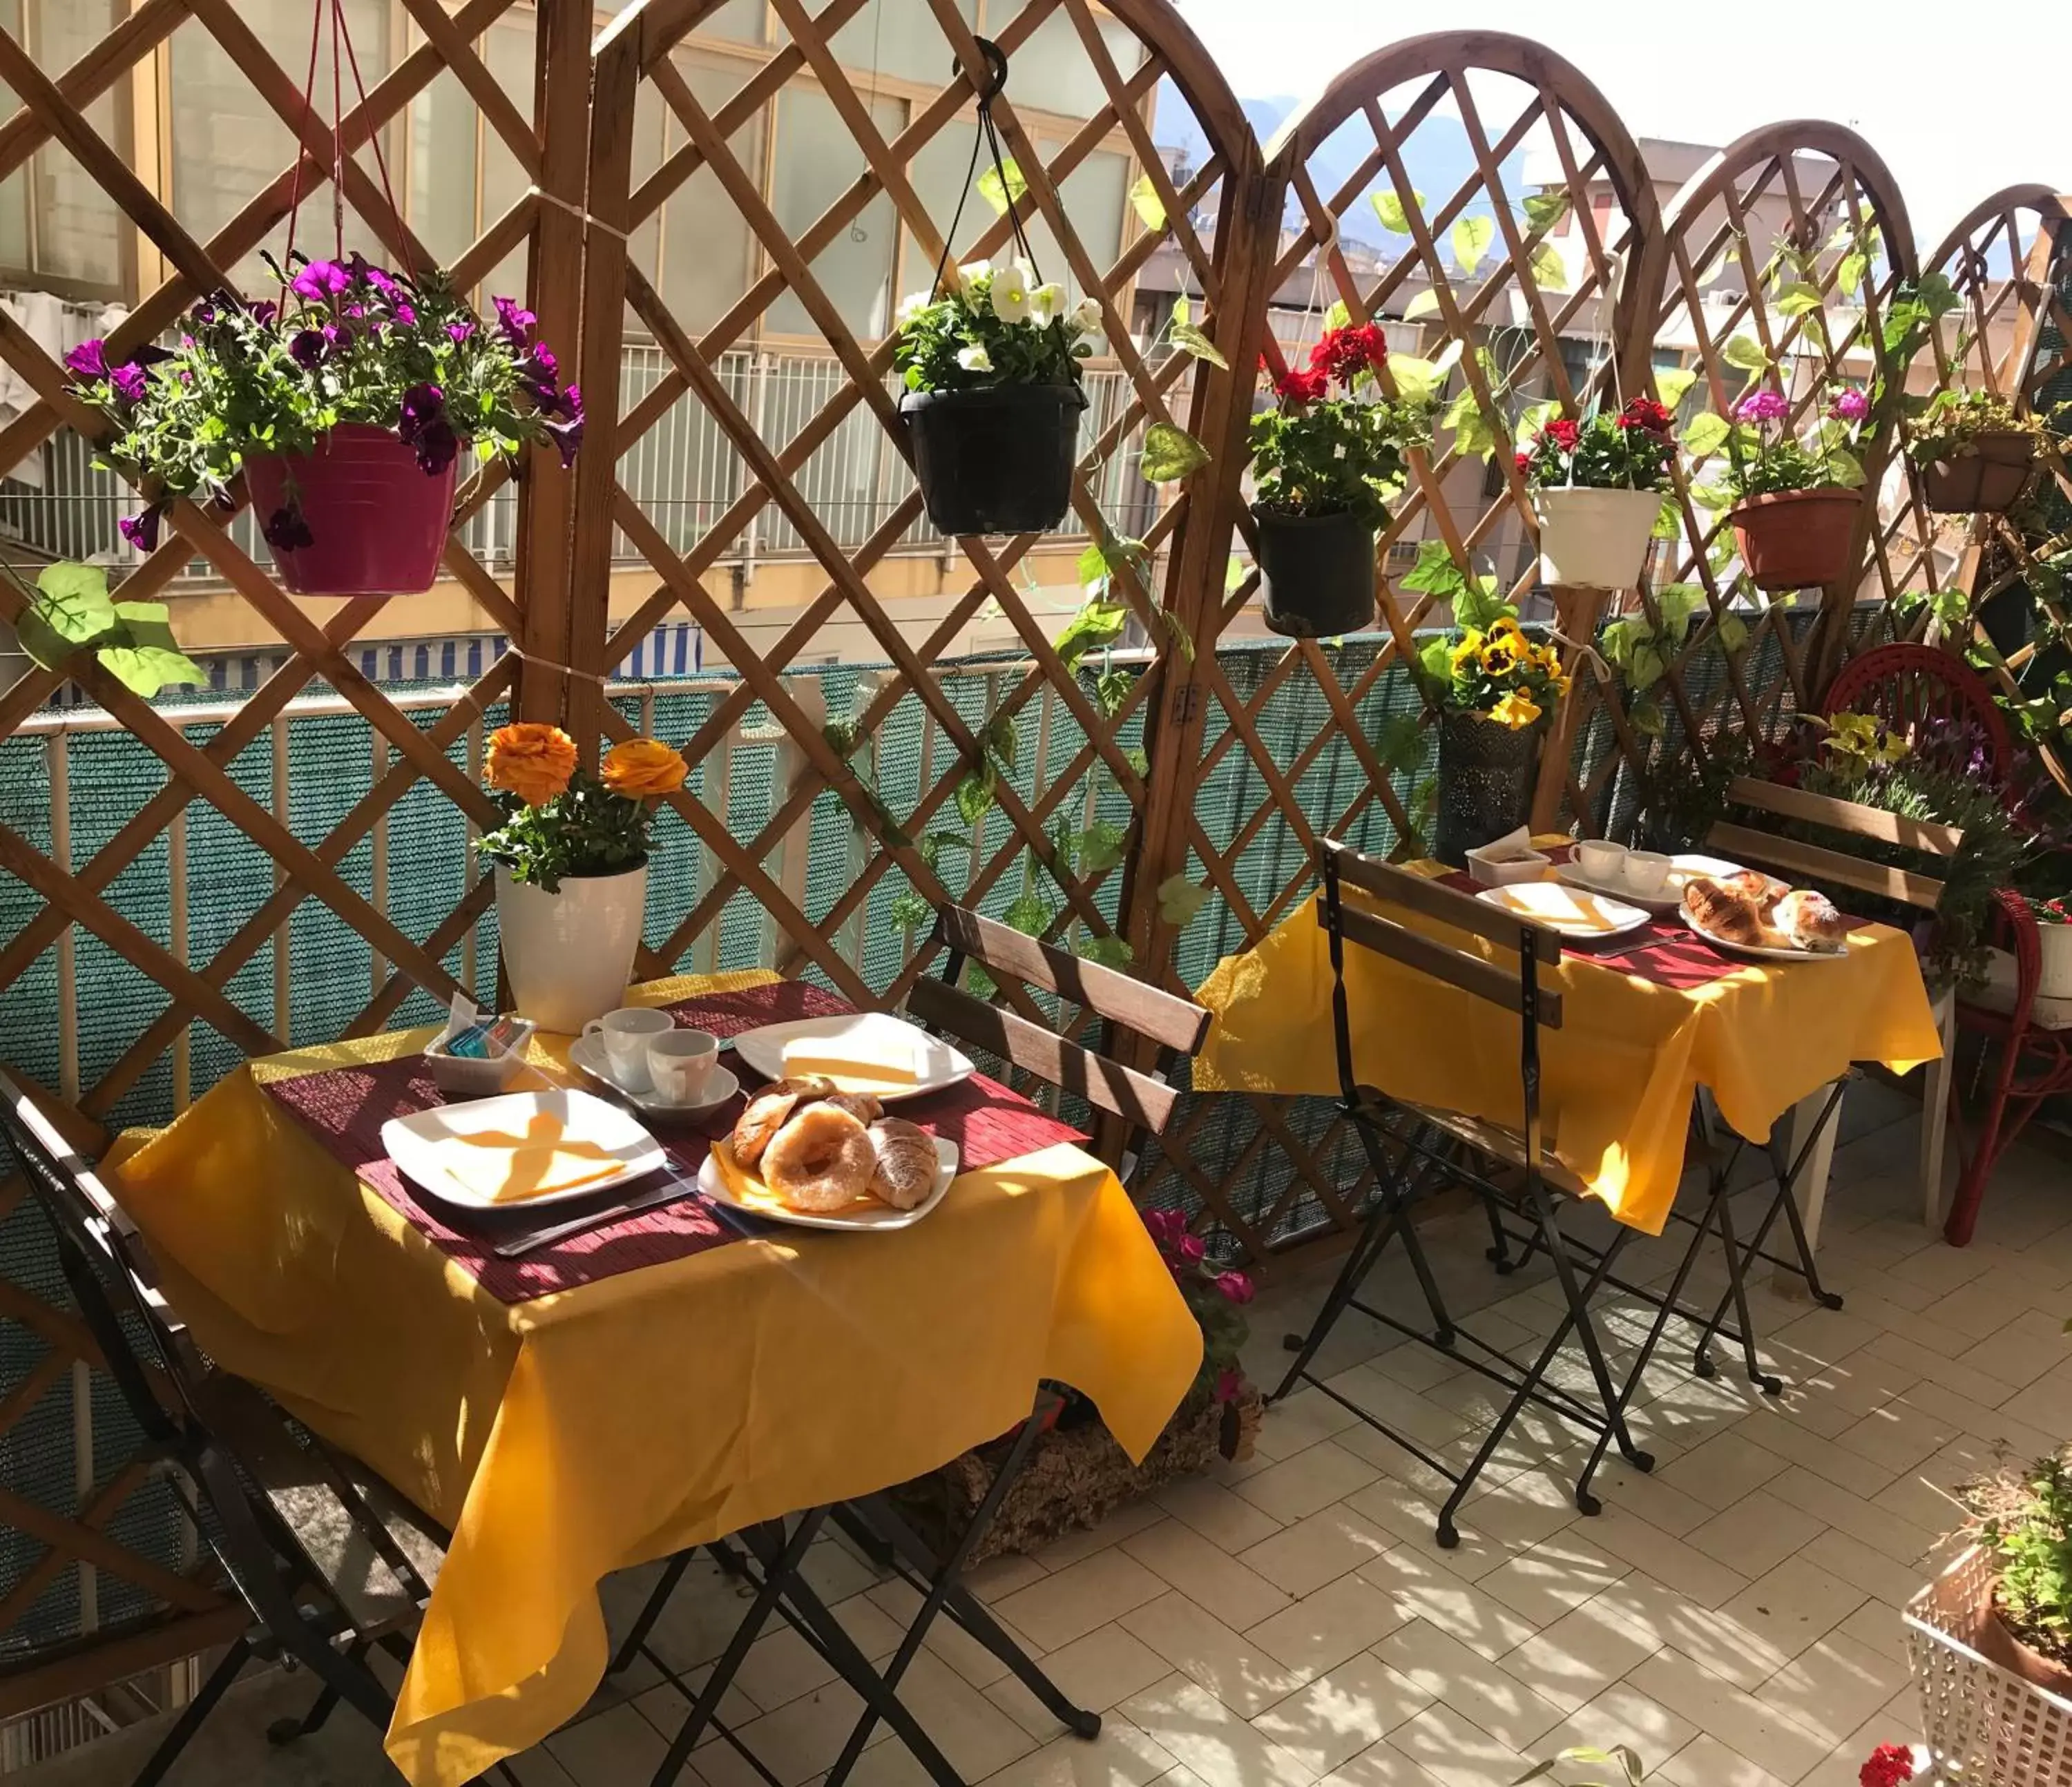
(1318, 570)
(370, 521)
(1986, 478)
(997, 459)
(1594, 538)
(1795, 540)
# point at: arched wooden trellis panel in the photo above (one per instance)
(1507, 268)
(1780, 258)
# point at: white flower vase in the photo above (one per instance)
(1594, 538)
(2055, 942)
(569, 954)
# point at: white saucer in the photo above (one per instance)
(588, 1054)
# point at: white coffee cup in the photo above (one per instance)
(680, 1065)
(1601, 859)
(626, 1034)
(1647, 872)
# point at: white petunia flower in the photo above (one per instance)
(910, 307)
(974, 359)
(1010, 293)
(1086, 317)
(968, 275)
(1045, 301)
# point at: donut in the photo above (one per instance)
(906, 1172)
(821, 1160)
(767, 1112)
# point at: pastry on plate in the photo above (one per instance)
(1728, 913)
(1808, 921)
(768, 1110)
(906, 1164)
(821, 1160)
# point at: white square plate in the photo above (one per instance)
(1580, 916)
(939, 1064)
(412, 1142)
(873, 1217)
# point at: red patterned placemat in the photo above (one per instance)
(345, 1108)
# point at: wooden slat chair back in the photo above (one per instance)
(1142, 1101)
(1800, 861)
(325, 1554)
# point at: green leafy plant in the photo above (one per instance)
(1642, 646)
(1631, 449)
(1216, 1299)
(1765, 457)
(70, 610)
(1315, 454)
(1955, 419)
(992, 325)
(2027, 1526)
(348, 342)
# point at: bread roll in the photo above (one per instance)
(1810, 921)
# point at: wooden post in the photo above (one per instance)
(1576, 613)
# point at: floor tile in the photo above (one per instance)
(1863, 1567)
(616, 1746)
(1235, 1667)
(1322, 1547)
(1070, 1605)
(1191, 1725)
(1121, 1757)
(1455, 1752)
(1720, 1470)
(1206, 1573)
(1758, 1533)
(1421, 1589)
(1621, 1715)
(1331, 1623)
(1793, 1605)
(1668, 1559)
(1706, 1762)
(1673, 1681)
(1555, 1576)
(1313, 1479)
(1440, 1666)
(1579, 1656)
(1221, 1515)
(1343, 1712)
(1832, 1686)
(1107, 1665)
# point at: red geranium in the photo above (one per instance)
(1564, 433)
(1345, 353)
(1645, 412)
(1303, 388)
(1524, 462)
(1890, 1765)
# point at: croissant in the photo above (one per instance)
(1759, 888)
(1723, 911)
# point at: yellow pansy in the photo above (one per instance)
(1517, 710)
(1466, 647)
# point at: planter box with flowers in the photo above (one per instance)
(346, 406)
(1797, 498)
(1975, 451)
(571, 862)
(1075, 1474)
(1597, 486)
(1323, 468)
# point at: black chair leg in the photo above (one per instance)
(193, 1714)
(1737, 1289)
(289, 1730)
(664, 1586)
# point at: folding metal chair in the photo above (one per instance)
(1141, 1104)
(1413, 1149)
(333, 1562)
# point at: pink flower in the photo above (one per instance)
(1851, 405)
(1166, 1226)
(1229, 1381)
(1236, 1287)
(1192, 1248)
(1762, 406)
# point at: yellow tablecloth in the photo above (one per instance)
(598, 1427)
(1617, 1078)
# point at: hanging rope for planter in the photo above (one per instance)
(342, 57)
(987, 137)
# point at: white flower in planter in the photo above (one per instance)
(968, 275)
(1086, 317)
(974, 359)
(910, 307)
(1009, 293)
(1045, 301)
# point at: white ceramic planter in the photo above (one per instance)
(2056, 981)
(1594, 538)
(569, 954)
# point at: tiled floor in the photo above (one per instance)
(1290, 1622)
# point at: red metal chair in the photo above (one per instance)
(1905, 684)
(2046, 1049)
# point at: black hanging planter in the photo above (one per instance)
(1486, 780)
(997, 460)
(1318, 571)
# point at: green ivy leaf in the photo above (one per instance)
(1145, 201)
(908, 912)
(978, 983)
(974, 796)
(1544, 210)
(1845, 468)
(1472, 237)
(843, 736)
(1434, 574)
(1673, 383)
(1733, 631)
(1705, 433)
(1418, 380)
(1850, 270)
(1337, 316)
(1425, 303)
(1189, 339)
(1744, 353)
(45, 648)
(1435, 658)
(1099, 848)
(1536, 416)
(1480, 604)
(1388, 207)
(1645, 716)
(72, 600)
(1170, 454)
(1098, 623)
(1109, 952)
(1002, 740)
(1111, 688)
(1179, 899)
(1550, 272)
(1668, 519)
(144, 670)
(1030, 914)
(1472, 433)
(1798, 298)
(1399, 743)
(932, 844)
(1002, 194)
(1138, 759)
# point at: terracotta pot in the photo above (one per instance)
(1983, 479)
(1795, 539)
(1318, 570)
(1995, 1642)
(997, 460)
(1594, 538)
(377, 521)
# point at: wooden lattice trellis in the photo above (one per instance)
(1570, 302)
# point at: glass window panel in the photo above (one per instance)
(79, 225)
(440, 199)
(817, 160)
(738, 21)
(707, 253)
(1093, 196)
(937, 175)
(1050, 71)
(14, 190)
(901, 38)
(228, 143)
(1122, 46)
(508, 54)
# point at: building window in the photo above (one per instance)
(58, 230)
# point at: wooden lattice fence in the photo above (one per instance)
(1205, 757)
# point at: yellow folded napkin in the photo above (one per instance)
(501, 1168)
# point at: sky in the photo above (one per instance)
(1906, 75)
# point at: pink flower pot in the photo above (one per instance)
(377, 522)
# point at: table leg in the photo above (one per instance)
(1935, 1109)
(1823, 1109)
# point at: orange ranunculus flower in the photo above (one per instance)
(643, 768)
(530, 760)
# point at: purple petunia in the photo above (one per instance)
(88, 360)
(406, 314)
(320, 280)
(129, 381)
(425, 426)
(1762, 406)
(142, 529)
(264, 312)
(460, 331)
(285, 530)
(515, 320)
(310, 347)
(567, 437)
